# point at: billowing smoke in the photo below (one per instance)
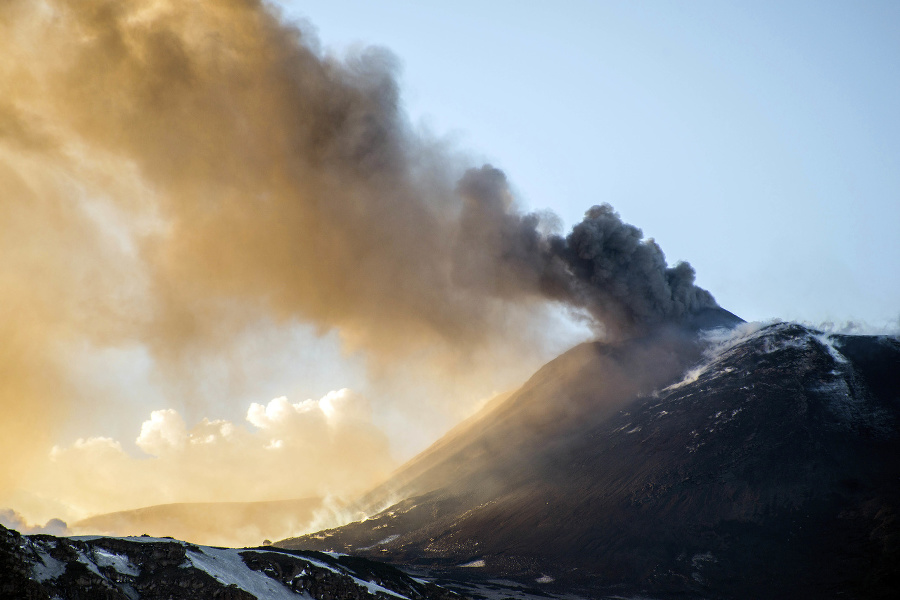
(604, 265)
(174, 173)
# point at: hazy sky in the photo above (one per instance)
(758, 140)
(223, 244)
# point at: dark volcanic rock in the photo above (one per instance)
(44, 567)
(771, 469)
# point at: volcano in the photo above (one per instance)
(720, 459)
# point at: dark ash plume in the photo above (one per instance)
(626, 278)
(603, 265)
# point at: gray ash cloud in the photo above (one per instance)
(603, 265)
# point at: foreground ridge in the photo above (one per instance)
(144, 568)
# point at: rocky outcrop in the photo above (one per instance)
(338, 577)
(44, 567)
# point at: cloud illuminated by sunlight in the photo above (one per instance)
(308, 448)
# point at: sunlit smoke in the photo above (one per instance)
(176, 173)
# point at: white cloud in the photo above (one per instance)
(165, 431)
(310, 448)
(335, 408)
(345, 405)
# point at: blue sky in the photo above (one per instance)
(759, 141)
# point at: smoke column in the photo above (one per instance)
(603, 265)
(171, 172)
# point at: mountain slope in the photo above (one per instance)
(586, 383)
(770, 470)
(215, 523)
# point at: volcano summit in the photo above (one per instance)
(758, 461)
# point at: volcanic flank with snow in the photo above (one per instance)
(769, 469)
(148, 568)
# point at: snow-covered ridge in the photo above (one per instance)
(837, 386)
(772, 337)
(227, 566)
(147, 568)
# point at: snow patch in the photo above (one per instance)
(771, 346)
(827, 341)
(724, 416)
(47, 568)
(376, 589)
(373, 588)
(698, 561)
(545, 579)
(119, 563)
(87, 562)
(386, 540)
(475, 564)
(226, 566)
(722, 341)
(725, 338)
